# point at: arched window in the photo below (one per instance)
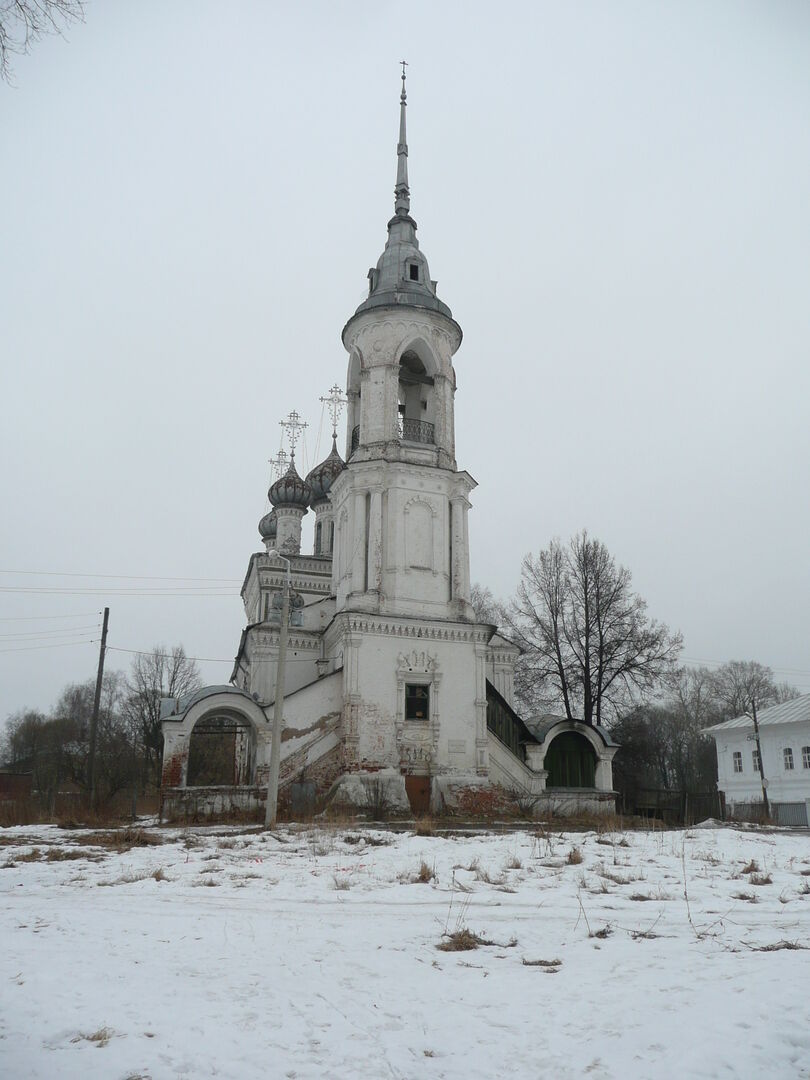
(415, 400)
(570, 761)
(318, 538)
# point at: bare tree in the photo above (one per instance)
(154, 675)
(586, 637)
(487, 609)
(744, 687)
(23, 22)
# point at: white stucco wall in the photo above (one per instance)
(783, 785)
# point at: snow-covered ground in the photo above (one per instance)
(306, 955)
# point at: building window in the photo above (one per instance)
(755, 759)
(806, 757)
(738, 761)
(413, 272)
(788, 752)
(417, 702)
(318, 531)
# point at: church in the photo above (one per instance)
(395, 695)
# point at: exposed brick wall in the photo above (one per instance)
(172, 776)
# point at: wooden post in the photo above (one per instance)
(94, 719)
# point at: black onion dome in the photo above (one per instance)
(290, 490)
(268, 526)
(322, 476)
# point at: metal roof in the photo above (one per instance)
(787, 712)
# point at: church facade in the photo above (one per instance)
(394, 692)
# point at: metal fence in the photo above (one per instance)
(782, 813)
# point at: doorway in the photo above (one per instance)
(417, 788)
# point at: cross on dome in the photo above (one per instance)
(293, 428)
(334, 401)
(279, 465)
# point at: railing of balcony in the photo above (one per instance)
(416, 431)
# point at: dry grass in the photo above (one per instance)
(761, 879)
(425, 826)
(58, 854)
(341, 882)
(127, 879)
(425, 874)
(159, 874)
(575, 856)
(751, 868)
(464, 939)
(100, 1037)
(778, 946)
(513, 863)
(553, 965)
(748, 896)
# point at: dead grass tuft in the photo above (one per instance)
(100, 1037)
(57, 854)
(159, 874)
(128, 879)
(751, 868)
(575, 856)
(341, 882)
(761, 879)
(513, 863)
(554, 964)
(778, 946)
(425, 826)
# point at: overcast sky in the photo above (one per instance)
(613, 198)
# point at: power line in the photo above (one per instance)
(217, 659)
(68, 631)
(31, 618)
(123, 577)
(115, 591)
(52, 645)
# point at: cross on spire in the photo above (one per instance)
(334, 401)
(293, 428)
(279, 465)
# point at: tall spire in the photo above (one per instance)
(402, 194)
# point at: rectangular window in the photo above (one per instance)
(806, 757)
(738, 761)
(788, 752)
(417, 702)
(414, 272)
(755, 759)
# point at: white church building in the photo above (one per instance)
(393, 689)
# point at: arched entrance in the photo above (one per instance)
(570, 762)
(222, 750)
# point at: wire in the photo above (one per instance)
(31, 618)
(53, 645)
(68, 631)
(219, 659)
(124, 577)
(56, 591)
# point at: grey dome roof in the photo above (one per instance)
(322, 476)
(290, 489)
(268, 526)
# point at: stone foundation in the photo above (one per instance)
(191, 804)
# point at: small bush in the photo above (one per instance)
(425, 873)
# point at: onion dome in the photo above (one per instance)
(268, 526)
(322, 476)
(290, 489)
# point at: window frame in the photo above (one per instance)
(414, 691)
(787, 757)
(806, 757)
(755, 761)
(737, 761)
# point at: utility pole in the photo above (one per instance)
(94, 719)
(765, 804)
(278, 704)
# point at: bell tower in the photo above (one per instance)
(400, 506)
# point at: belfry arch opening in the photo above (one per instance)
(415, 399)
(222, 751)
(570, 762)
